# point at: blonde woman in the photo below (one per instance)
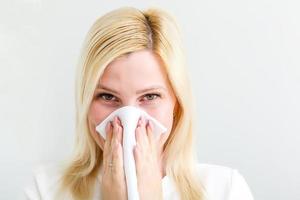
(133, 57)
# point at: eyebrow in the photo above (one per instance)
(154, 87)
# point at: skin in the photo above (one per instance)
(121, 85)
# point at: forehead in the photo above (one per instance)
(138, 67)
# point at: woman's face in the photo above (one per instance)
(138, 80)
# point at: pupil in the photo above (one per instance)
(108, 97)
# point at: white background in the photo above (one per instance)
(244, 63)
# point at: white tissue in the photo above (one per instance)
(129, 116)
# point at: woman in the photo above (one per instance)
(133, 57)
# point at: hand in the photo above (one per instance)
(113, 185)
(146, 161)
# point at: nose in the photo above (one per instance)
(130, 102)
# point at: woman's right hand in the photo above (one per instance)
(113, 185)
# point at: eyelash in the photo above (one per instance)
(103, 94)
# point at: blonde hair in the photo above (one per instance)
(117, 33)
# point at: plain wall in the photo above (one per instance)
(244, 66)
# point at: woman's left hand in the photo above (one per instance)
(147, 162)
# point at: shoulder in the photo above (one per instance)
(222, 182)
(44, 182)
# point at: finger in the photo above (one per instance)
(107, 148)
(150, 134)
(109, 133)
(114, 145)
(117, 160)
(120, 133)
(143, 131)
(137, 156)
(139, 134)
(115, 131)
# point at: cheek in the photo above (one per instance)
(164, 114)
(97, 114)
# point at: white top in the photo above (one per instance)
(219, 182)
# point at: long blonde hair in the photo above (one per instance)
(115, 34)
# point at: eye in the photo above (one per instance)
(152, 96)
(106, 96)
